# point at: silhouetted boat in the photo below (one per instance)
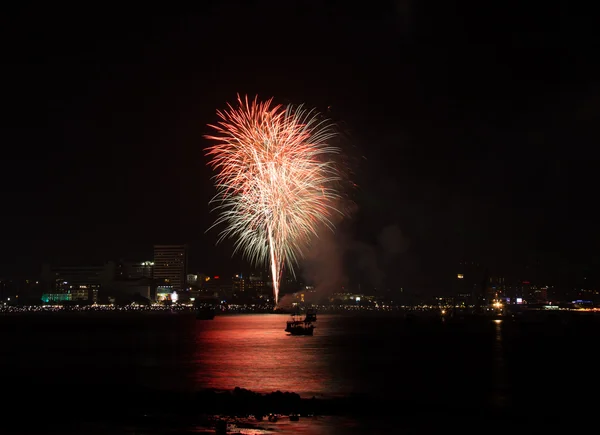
(311, 316)
(299, 327)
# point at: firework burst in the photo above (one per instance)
(276, 181)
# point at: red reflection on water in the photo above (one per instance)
(254, 352)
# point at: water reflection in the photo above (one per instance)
(380, 357)
(255, 353)
(499, 396)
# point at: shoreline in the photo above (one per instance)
(205, 407)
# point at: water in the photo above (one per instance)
(347, 355)
(419, 370)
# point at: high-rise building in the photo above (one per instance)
(170, 266)
(495, 289)
(470, 282)
(238, 283)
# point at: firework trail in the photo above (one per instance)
(275, 179)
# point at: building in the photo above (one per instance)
(541, 294)
(192, 279)
(215, 287)
(238, 284)
(495, 290)
(75, 283)
(533, 293)
(170, 266)
(256, 286)
(135, 269)
(470, 283)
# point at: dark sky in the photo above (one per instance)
(478, 125)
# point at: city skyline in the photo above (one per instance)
(174, 277)
(464, 150)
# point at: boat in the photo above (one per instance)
(205, 313)
(299, 327)
(311, 316)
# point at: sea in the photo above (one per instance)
(74, 373)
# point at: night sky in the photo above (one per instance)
(474, 126)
